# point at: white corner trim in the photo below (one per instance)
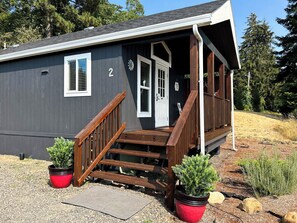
(77, 93)
(112, 37)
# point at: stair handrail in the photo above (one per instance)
(180, 124)
(83, 134)
(184, 134)
(91, 131)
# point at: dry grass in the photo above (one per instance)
(264, 126)
(288, 129)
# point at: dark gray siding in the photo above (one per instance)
(33, 109)
(180, 49)
(130, 105)
(180, 66)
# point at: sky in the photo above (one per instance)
(267, 10)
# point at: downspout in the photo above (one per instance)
(232, 113)
(201, 89)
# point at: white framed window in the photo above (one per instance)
(161, 53)
(77, 75)
(144, 87)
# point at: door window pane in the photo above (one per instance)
(161, 83)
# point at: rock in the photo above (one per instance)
(244, 146)
(290, 217)
(216, 198)
(251, 205)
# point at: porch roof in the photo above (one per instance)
(203, 15)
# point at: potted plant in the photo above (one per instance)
(197, 178)
(61, 154)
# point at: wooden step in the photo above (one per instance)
(145, 137)
(134, 166)
(141, 142)
(152, 184)
(138, 153)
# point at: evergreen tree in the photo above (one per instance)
(287, 78)
(55, 17)
(16, 19)
(258, 62)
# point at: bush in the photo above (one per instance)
(196, 174)
(271, 175)
(61, 153)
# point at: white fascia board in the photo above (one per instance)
(225, 13)
(112, 37)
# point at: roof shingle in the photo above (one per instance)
(123, 26)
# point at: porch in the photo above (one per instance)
(99, 147)
(102, 147)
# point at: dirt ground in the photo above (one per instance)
(232, 181)
(27, 197)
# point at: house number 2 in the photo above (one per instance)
(110, 70)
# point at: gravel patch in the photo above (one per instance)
(26, 196)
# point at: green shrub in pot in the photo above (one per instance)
(197, 175)
(61, 153)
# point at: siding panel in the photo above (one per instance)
(34, 104)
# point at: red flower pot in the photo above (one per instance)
(60, 177)
(189, 208)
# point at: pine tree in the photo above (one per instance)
(55, 17)
(287, 60)
(259, 62)
(16, 23)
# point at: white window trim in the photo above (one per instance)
(161, 61)
(139, 87)
(77, 93)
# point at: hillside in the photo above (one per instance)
(265, 127)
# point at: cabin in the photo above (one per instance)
(137, 95)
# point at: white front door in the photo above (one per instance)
(161, 95)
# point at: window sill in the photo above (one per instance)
(144, 115)
(77, 94)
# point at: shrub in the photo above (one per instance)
(270, 175)
(196, 174)
(61, 153)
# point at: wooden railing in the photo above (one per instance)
(93, 141)
(208, 112)
(183, 135)
(228, 112)
(217, 112)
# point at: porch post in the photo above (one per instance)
(228, 85)
(222, 81)
(222, 91)
(228, 97)
(194, 63)
(232, 113)
(194, 69)
(210, 85)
